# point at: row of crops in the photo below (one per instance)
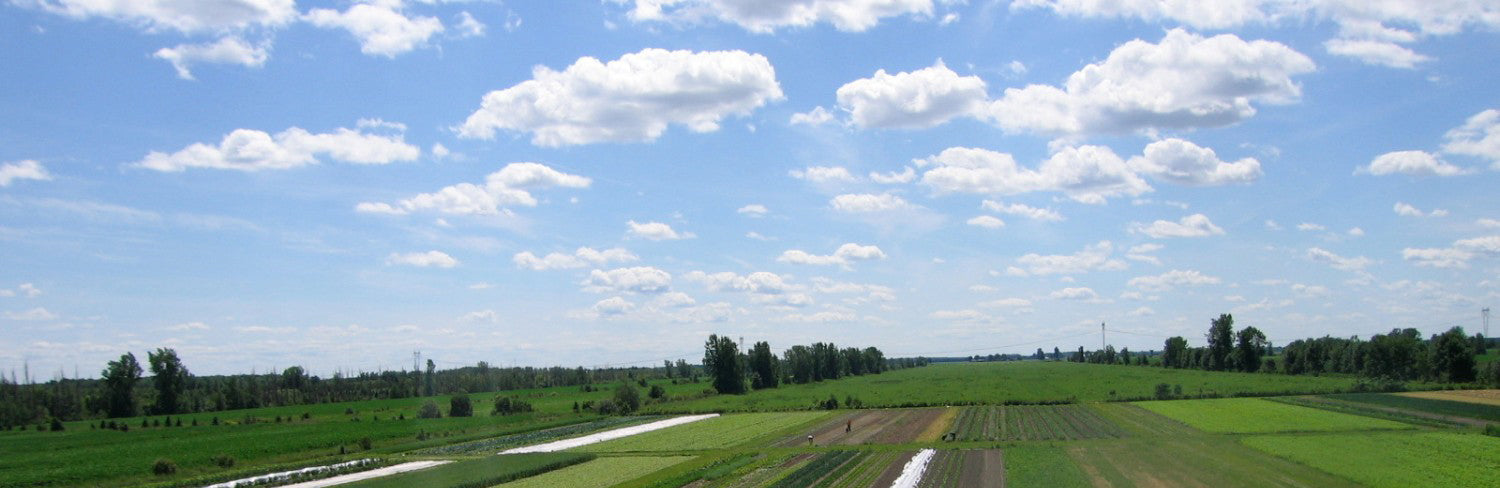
(1033, 423)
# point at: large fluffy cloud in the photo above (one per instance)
(655, 231)
(1184, 163)
(917, 99)
(1416, 163)
(759, 282)
(761, 16)
(1478, 137)
(382, 26)
(254, 150)
(1087, 174)
(1184, 81)
(634, 98)
(1457, 256)
(504, 188)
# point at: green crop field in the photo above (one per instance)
(1190, 461)
(714, 433)
(1254, 415)
(1033, 422)
(1042, 466)
(481, 472)
(599, 473)
(1394, 459)
(1441, 407)
(1014, 382)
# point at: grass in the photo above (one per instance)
(714, 433)
(1393, 459)
(1010, 382)
(481, 472)
(1188, 461)
(1254, 415)
(1042, 466)
(598, 473)
(1440, 407)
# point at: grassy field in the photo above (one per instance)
(714, 433)
(81, 456)
(1255, 415)
(481, 472)
(1042, 466)
(1014, 382)
(599, 473)
(1393, 459)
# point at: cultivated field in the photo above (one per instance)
(1312, 440)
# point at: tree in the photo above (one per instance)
(684, 370)
(1249, 348)
(120, 378)
(721, 358)
(1056, 353)
(1040, 355)
(293, 378)
(460, 406)
(764, 370)
(429, 410)
(1174, 353)
(1452, 356)
(627, 398)
(431, 379)
(667, 367)
(1220, 342)
(170, 378)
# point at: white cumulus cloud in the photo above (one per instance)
(868, 202)
(655, 231)
(1195, 225)
(584, 256)
(823, 174)
(639, 279)
(1416, 163)
(1172, 279)
(1478, 137)
(986, 221)
(766, 17)
(25, 169)
(1184, 81)
(253, 150)
(382, 27)
(910, 100)
(753, 210)
(504, 188)
(228, 50)
(1407, 210)
(1184, 163)
(1093, 257)
(759, 282)
(182, 16)
(631, 99)
(422, 259)
(1088, 174)
(1022, 210)
(1338, 262)
(843, 256)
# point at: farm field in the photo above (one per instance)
(485, 471)
(965, 467)
(1439, 406)
(1254, 415)
(599, 473)
(895, 426)
(1393, 459)
(1485, 397)
(1011, 382)
(1190, 461)
(1033, 423)
(714, 433)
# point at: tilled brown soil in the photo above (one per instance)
(984, 469)
(896, 426)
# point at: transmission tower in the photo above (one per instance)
(1486, 313)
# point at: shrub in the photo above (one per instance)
(163, 467)
(627, 398)
(832, 403)
(657, 392)
(606, 408)
(216, 420)
(306, 415)
(179, 421)
(429, 410)
(364, 443)
(460, 406)
(1163, 391)
(223, 461)
(57, 425)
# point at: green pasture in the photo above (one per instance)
(1255, 415)
(1393, 459)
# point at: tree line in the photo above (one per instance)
(1401, 355)
(123, 389)
(736, 372)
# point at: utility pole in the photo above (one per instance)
(1103, 337)
(1486, 313)
(416, 361)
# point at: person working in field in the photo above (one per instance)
(849, 427)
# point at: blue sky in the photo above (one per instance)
(262, 183)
